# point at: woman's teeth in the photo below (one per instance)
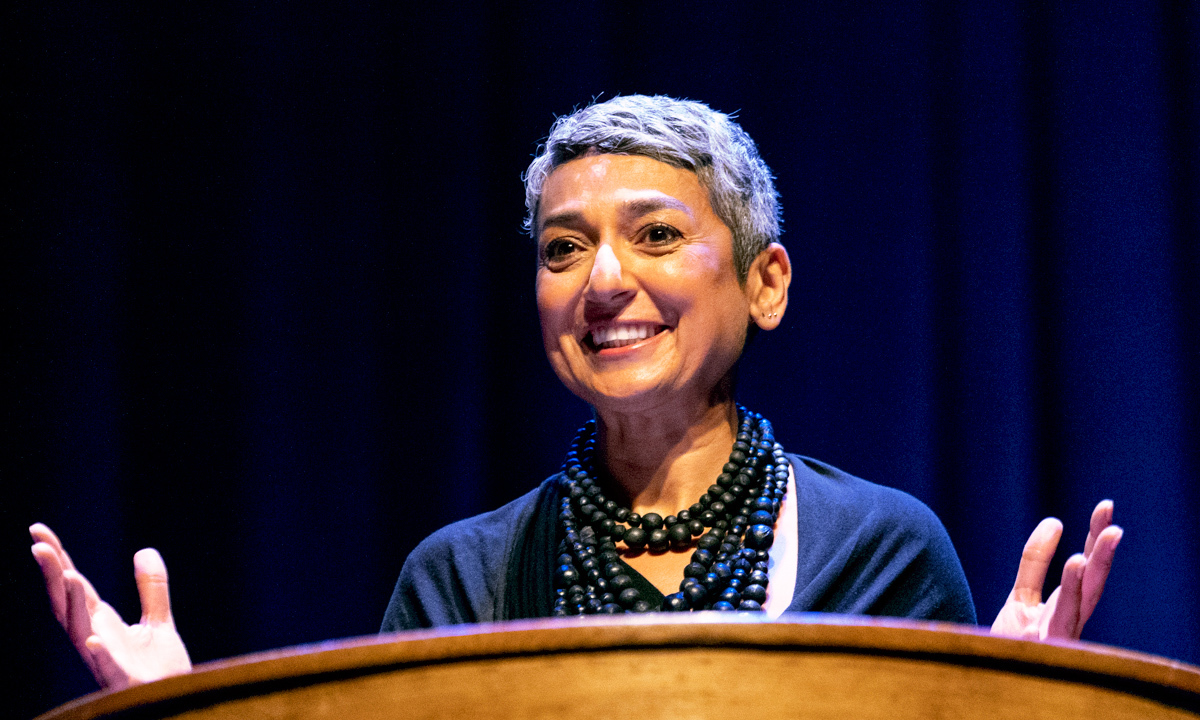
(621, 335)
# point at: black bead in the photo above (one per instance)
(635, 520)
(679, 536)
(717, 507)
(592, 605)
(723, 606)
(611, 608)
(684, 516)
(635, 538)
(731, 596)
(761, 517)
(758, 577)
(722, 570)
(749, 606)
(695, 570)
(658, 541)
(565, 559)
(621, 514)
(565, 575)
(707, 541)
(620, 583)
(760, 537)
(629, 596)
(708, 517)
(675, 602)
(755, 592)
(695, 594)
(613, 569)
(702, 556)
(641, 606)
(652, 521)
(670, 521)
(695, 528)
(696, 509)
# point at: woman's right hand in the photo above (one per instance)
(119, 655)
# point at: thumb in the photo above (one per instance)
(151, 575)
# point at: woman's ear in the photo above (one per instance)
(767, 286)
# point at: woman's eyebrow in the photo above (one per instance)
(644, 206)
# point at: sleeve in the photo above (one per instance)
(447, 580)
(872, 550)
(458, 574)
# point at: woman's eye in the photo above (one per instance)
(661, 234)
(558, 251)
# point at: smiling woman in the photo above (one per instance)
(657, 230)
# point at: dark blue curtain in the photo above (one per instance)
(268, 307)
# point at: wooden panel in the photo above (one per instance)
(663, 667)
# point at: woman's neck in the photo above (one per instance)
(664, 462)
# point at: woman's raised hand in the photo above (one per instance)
(1063, 615)
(119, 655)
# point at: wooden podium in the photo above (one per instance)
(661, 666)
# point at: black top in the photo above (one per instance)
(863, 549)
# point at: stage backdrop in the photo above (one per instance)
(269, 309)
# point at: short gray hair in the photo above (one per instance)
(682, 133)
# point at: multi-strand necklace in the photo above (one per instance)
(731, 527)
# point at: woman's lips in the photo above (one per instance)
(611, 337)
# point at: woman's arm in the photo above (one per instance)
(119, 655)
(1063, 615)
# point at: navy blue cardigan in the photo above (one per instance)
(863, 549)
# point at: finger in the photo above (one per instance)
(52, 572)
(1064, 621)
(1095, 575)
(1035, 561)
(1101, 518)
(106, 669)
(42, 533)
(79, 617)
(151, 575)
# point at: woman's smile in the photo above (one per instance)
(607, 338)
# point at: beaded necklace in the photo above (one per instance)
(734, 522)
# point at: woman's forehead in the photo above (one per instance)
(625, 183)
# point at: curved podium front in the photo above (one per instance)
(659, 666)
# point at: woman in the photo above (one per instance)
(656, 225)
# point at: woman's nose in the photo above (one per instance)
(607, 280)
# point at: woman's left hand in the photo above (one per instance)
(1063, 615)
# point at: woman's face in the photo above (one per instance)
(640, 305)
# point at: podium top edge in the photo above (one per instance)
(804, 632)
